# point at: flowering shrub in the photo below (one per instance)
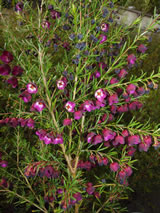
(70, 147)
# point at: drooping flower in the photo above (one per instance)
(103, 38)
(113, 99)
(133, 140)
(97, 139)
(67, 122)
(58, 140)
(90, 137)
(78, 115)
(32, 88)
(17, 70)
(6, 57)
(30, 123)
(142, 48)
(108, 134)
(70, 106)
(19, 6)
(131, 59)
(122, 73)
(3, 163)
(131, 88)
(90, 189)
(25, 96)
(13, 81)
(88, 106)
(119, 139)
(100, 94)
(38, 106)
(114, 166)
(5, 69)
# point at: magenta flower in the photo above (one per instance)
(70, 106)
(13, 81)
(90, 189)
(104, 27)
(100, 94)
(77, 115)
(131, 151)
(147, 139)
(58, 140)
(88, 106)
(113, 99)
(133, 140)
(5, 69)
(128, 170)
(17, 70)
(114, 81)
(103, 38)
(3, 163)
(122, 73)
(67, 122)
(114, 166)
(61, 84)
(102, 65)
(143, 147)
(97, 74)
(48, 139)
(90, 137)
(19, 6)
(41, 133)
(125, 133)
(6, 57)
(131, 88)
(100, 104)
(25, 96)
(142, 48)
(38, 106)
(113, 109)
(119, 139)
(97, 139)
(46, 24)
(32, 88)
(123, 108)
(108, 134)
(131, 59)
(122, 174)
(30, 123)
(55, 14)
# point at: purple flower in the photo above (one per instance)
(32, 88)
(131, 151)
(13, 122)
(58, 140)
(104, 27)
(13, 81)
(3, 163)
(55, 14)
(5, 69)
(113, 99)
(77, 196)
(17, 71)
(122, 73)
(119, 139)
(143, 147)
(114, 81)
(46, 24)
(133, 140)
(19, 6)
(61, 84)
(77, 115)
(88, 106)
(25, 96)
(131, 59)
(41, 133)
(97, 139)
(128, 170)
(113, 109)
(100, 104)
(48, 138)
(67, 122)
(100, 94)
(70, 106)
(30, 123)
(114, 166)
(38, 106)
(125, 133)
(123, 108)
(22, 122)
(90, 189)
(103, 38)
(142, 48)
(6, 57)
(108, 135)
(131, 88)
(90, 137)
(97, 74)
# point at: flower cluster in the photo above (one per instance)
(49, 138)
(41, 169)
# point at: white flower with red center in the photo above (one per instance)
(70, 106)
(100, 94)
(61, 84)
(32, 88)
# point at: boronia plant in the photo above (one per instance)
(67, 135)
